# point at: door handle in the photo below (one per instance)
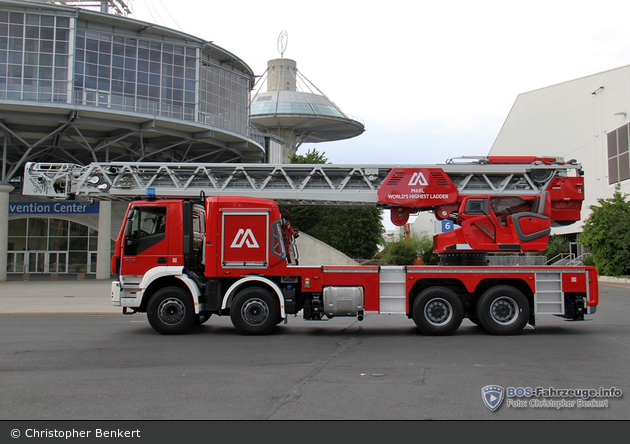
(161, 260)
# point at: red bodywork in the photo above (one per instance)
(523, 227)
(163, 248)
(241, 239)
(239, 236)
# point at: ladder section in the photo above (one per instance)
(549, 298)
(286, 183)
(289, 184)
(392, 283)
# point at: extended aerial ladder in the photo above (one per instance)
(505, 204)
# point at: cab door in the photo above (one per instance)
(145, 242)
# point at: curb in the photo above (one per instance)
(614, 280)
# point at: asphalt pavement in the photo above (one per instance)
(103, 368)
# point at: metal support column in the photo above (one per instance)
(4, 229)
(103, 251)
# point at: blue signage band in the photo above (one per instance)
(52, 208)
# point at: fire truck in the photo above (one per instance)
(215, 239)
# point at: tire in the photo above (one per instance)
(171, 311)
(438, 311)
(503, 310)
(255, 311)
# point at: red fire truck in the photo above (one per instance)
(182, 259)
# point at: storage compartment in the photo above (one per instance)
(343, 301)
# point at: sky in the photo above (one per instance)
(431, 80)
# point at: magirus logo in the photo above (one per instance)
(418, 178)
(244, 237)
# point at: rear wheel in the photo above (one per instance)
(438, 311)
(171, 311)
(503, 310)
(255, 311)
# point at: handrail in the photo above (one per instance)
(562, 257)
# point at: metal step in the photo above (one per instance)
(392, 282)
(549, 298)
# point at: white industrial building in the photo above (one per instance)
(585, 119)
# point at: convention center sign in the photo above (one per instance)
(53, 208)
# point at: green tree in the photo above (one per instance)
(356, 232)
(402, 250)
(426, 250)
(312, 157)
(556, 245)
(405, 251)
(606, 235)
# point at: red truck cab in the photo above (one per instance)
(151, 235)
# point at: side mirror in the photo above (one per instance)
(128, 228)
(130, 242)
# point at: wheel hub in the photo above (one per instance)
(504, 310)
(172, 311)
(255, 312)
(438, 311)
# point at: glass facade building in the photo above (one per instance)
(34, 56)
(50, 58)
(135, 74)
(80, 86)
(51, 245)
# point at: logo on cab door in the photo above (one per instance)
(244, 237)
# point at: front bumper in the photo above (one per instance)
(125, 297)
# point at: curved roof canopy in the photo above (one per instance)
(304, 112)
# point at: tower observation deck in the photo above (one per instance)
(296, 110)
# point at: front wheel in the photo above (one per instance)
(503, 310)
(438, 311)
(171, 311)
(255, 311)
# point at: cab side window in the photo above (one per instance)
(146, 226)
(150, 221)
